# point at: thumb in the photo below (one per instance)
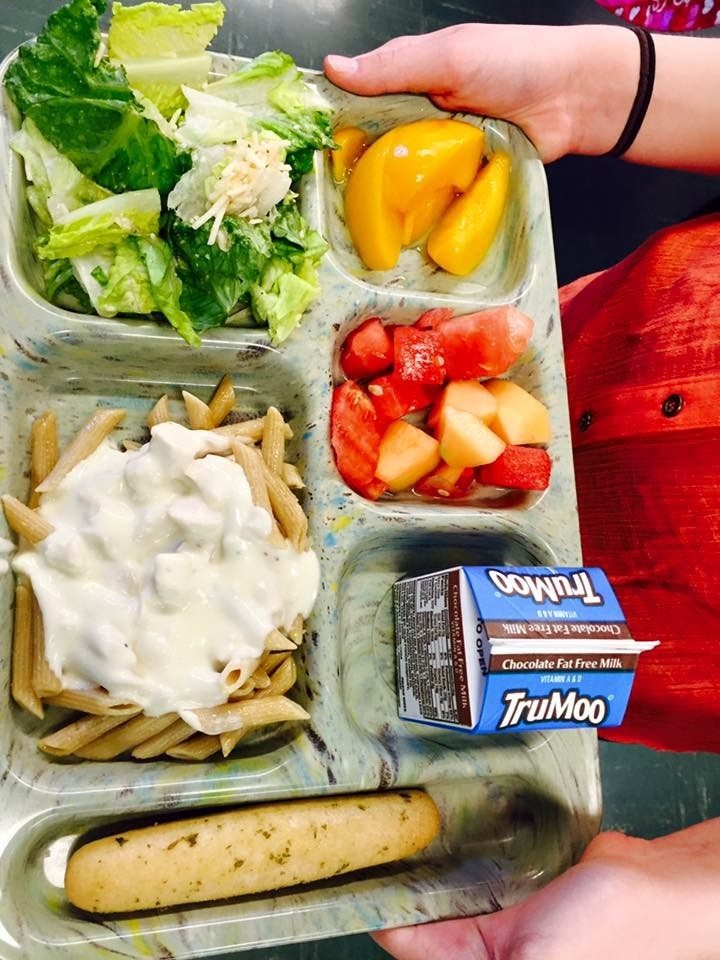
(466, 939)
(404, 65)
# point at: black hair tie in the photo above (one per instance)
(643, 95)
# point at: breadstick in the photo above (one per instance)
(248, 851)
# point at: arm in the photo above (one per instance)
(627, 898)
(569, 88)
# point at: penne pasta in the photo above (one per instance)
(199, 747)
(256, 688)
(43, 452)
(25, 522)
(249, 429)
(297, 629)
(79, 734)
(45, 683)
(85, 442)
(251, 462)
(223, 400)
(260, 679)
(231, 738)
(22, 652)
(273, 440)
(246, 690)
(160, 413)
(281, 681)
(174, 734)
(287, 509)
(259, 711)
(291, 476)
(278, 641)
(124, 738)
(271, 661)
(96, 702)
(198, 413)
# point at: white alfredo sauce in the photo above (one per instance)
(158, 579)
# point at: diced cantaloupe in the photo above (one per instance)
(447, 482)
(465, 441)
(520, 418)
(468, 395)
(406, 454)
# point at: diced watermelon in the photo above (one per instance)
(484, 344)
(419, 356)
(518, 468)
(355, 435)
(367, 350)
(431, 319)
(393, 397)
(446, 482)
(373, 490)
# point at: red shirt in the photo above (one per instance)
(676, 15)
(642, 344)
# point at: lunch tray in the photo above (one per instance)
(516, 810)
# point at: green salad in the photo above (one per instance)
(157, 190)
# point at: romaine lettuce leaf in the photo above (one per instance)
(210, 121)
(166, 285)
(62, 286)
(56, 185)
(289, 281)
(282, 295)
(126, 288)
(106, 222)
(279, 99)
(249, 86)
(163, 46)
(304, 133)
(163, 28)
(142, 280)
(83, 105)
(293, 237)
(217, 277)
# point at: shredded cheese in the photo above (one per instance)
(254, 179)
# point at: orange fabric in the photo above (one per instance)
(643, 334)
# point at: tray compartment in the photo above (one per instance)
(533, 371)
(506, 270)
(366, 616)
(74, 380)
(493, 828)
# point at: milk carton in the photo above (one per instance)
(507, 649)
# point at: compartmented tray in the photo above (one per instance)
(516, 809)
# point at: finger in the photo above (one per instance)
(613, 845)
(448, 938)
(404, 65)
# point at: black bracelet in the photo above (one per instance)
(643, 95)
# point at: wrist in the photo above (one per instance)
(603, 81)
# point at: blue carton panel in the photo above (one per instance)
(540, 593)
(515, 702)
(492, 649)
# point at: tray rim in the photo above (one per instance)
(590, 754)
